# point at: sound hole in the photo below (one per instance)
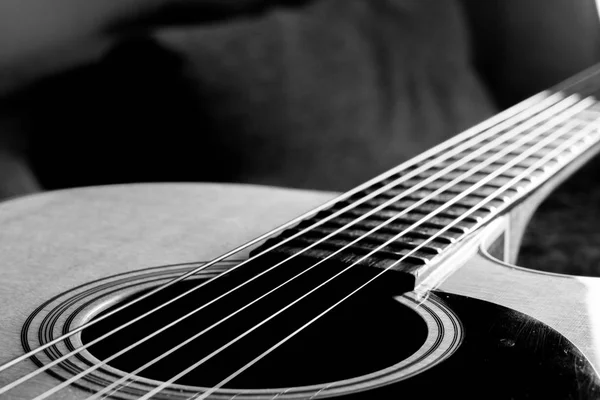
(367, 333)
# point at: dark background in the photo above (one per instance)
(564, 233)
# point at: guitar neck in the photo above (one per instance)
(407, 218)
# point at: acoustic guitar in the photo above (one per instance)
(403, 287)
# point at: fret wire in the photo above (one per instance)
(509, 116)
(203, 395)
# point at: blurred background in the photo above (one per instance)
(564, 234)
(314, 94)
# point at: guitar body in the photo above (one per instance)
(485, 324)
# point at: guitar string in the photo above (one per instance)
(488, 161)
(512, 115)
(569, 100)
(582, 134)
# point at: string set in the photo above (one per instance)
(532, 150)
(567, 107)
(499, 191)
(495, 124)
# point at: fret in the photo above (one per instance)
(482, 191)
(425, 230)
(452, 212)
(381, 258)
(477, 177)
(406, 242)
(540, 136)
(460, 187)
(515, 170)
(521, 165)
(511, 173)
(355, 254)
(467, 201)
(470, 200)
(365, 225)
(318, 253)
(409, 218)
(439, 183)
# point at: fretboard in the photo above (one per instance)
(411, 216)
